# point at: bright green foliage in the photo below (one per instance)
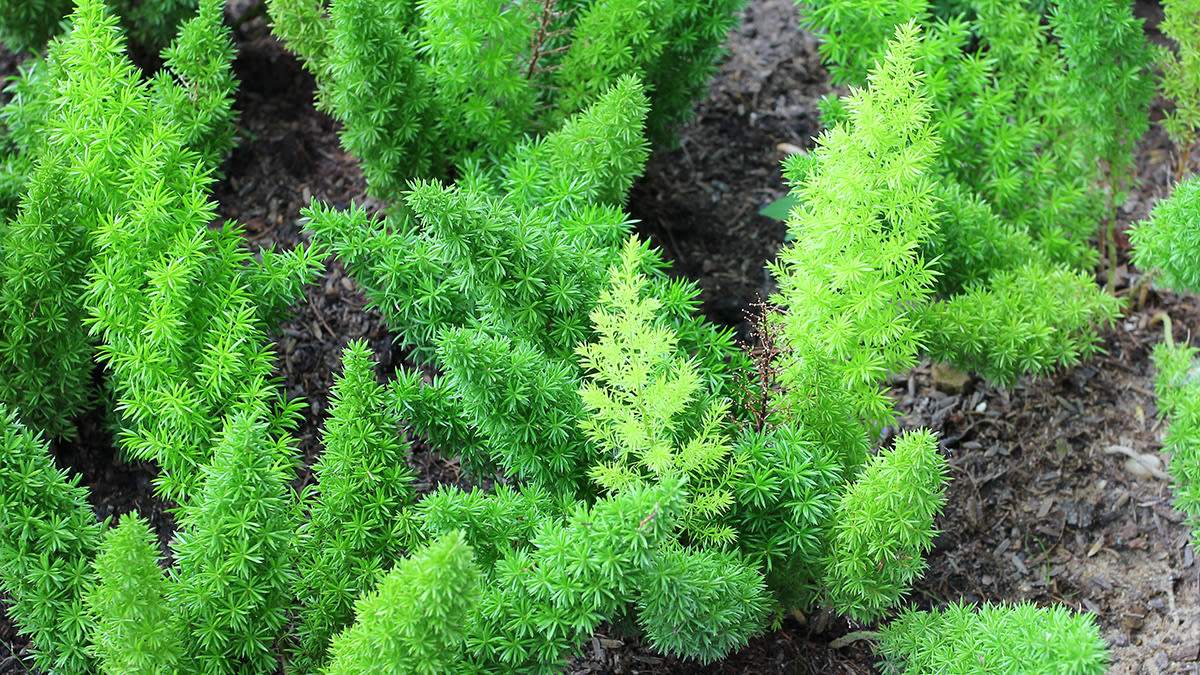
(1011, 125)
(785, 495)
(26, 25)
(354, 527)
(171, 299)
(962, 640)
(132, 627)
(1111, 69)
(474, 58)
(79, 118)
(672, 46)
(423, 89)
(46, 249)
(374, 83)
(46, 356)
(1014, 168)
(416, 620)
(884, 525)
(1181, 73)
(180, 307)
(972, 242)
(1169, 239)
(200, 93)
(647, 412)
(492, 524)
(524, 402)
(48, 537)
(32, 93)
(540, 602)
(854, 272)
(1028, 320)
(305, 27)
(854, 32)
(701, 604)
(234, 550)
(494, 278)
(525, 245)
(1177, 386)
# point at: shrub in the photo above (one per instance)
(1014, 106)
(423, 89)
(26, 25)
(1023, 638)
(86, 122)
(1181, 76)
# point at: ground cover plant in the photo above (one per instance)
(608, 422)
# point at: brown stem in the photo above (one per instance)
(1184, 156)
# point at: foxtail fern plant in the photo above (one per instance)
(854, 274)
(355, 523)
(1024, 638)
(415, 621)
(1167, 241)
(26, 25)
(422, 89)
(1177, 386)
(647, 409)
(853, 286)
(1111, 68)
(1181, 76)
(80, 115)
(493, 280)
(133, 628)
(1015, 165)
(48, 537)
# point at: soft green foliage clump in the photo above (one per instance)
(1027, 320)
(94, 138)
(133, 628)
(1027, 110)
(423, 89)
(647, 411)
(1177, 386)
(354, 528)
(541, 602)
(962, 640)
(883, 527)
(197, 84)
(26, 25)
(48, 536)
(1181, 75)
(854, 271)
(1168, 240)
(1015, 167)
(786, 490)
(234, 551)
(701, 604)
(415, 620)
(493, 279)
(1111, 75)
(1111, 68)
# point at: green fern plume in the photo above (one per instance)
(963, 640)
(48, 538)
(131, 625)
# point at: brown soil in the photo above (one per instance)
(1040, 508)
